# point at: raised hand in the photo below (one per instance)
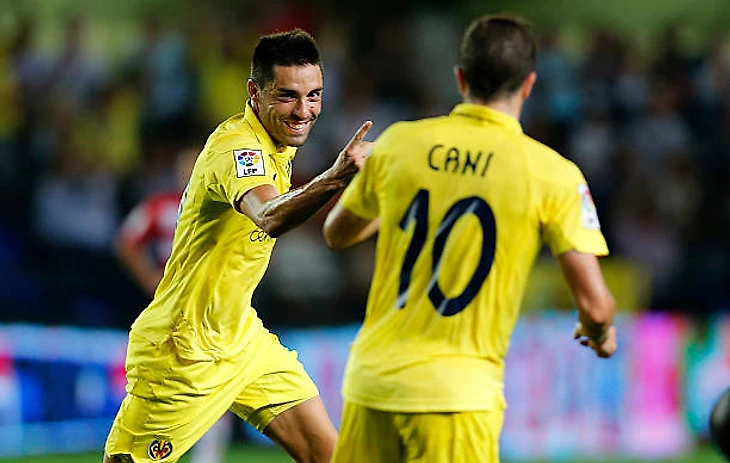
(353, 155)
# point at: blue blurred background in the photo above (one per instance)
(97, 98)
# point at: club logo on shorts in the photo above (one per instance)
(159, 449)
(248, 162)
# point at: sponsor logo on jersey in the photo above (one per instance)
(248, 162)
(259, 236)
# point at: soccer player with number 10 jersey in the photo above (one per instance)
(463, 204)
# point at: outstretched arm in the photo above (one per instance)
(595, 303)
(276, 214)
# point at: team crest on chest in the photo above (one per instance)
(159, 449)
(248, 162)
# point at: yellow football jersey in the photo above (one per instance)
(465, 202)
(218, 255)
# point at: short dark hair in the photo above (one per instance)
(291, 48)
(497, 53)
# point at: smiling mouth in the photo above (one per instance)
(297, 127)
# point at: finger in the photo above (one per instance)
(363, 130)
(360, 134)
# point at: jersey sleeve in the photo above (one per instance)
(239, 170)
(360, 196)
(138, 226)
(569, 216)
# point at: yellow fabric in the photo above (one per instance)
(447, 177)
(376, 436)
(219, 255)
(258, 389)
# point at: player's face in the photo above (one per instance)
(290, 103)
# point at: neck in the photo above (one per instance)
(511, 105)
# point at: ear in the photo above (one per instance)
(460, 80)
(255, 93)
(528, 84)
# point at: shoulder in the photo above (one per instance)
(225, 146)
(548, 164)
(233, 133)
(417, 125)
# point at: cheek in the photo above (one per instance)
(279, 110)
(271, 115)
(315, 108)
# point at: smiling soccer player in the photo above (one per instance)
(199, 348)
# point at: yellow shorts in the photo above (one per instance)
(376, 436)
(172, 402)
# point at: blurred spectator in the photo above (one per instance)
(74, 79)
(169, 87)
(24, 94)
(29, 66)
(660, 131)
(642, 234)
(74, 204)
(557, 98)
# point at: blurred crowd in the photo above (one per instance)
(84, 136)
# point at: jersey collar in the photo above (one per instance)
(487, 115)
(263, 136)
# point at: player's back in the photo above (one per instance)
(460, 200)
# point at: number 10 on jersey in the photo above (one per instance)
(418, 212)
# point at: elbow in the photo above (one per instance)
(332, 241)
(336, 245)
(271, 226)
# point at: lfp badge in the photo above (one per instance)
(248, 162)
(588, 208)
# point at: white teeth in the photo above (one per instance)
(296, 127)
